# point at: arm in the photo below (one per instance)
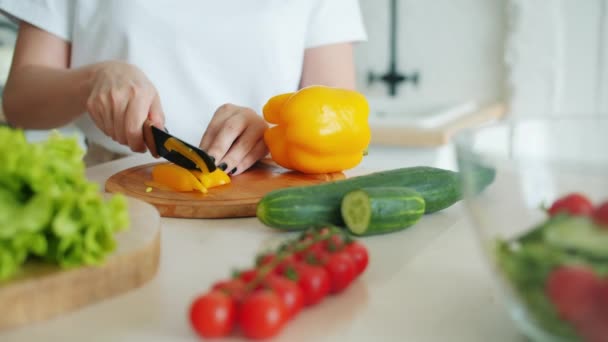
(41, 92)
(331, 65)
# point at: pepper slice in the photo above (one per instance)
(173, 144)
(181, 179)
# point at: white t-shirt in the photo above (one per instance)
(198, 54)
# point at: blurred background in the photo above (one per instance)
(429, 63)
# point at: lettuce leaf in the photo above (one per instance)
(48, 209)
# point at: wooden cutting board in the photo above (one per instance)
(44, 291)
(237, 199)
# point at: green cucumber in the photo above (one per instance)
(578, 234)
(298, 208)
(380, 210)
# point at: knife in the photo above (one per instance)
(155, 140)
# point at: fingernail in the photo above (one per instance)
(232, 171)
(223, 166)
(166, 130)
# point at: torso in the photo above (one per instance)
(198, 54)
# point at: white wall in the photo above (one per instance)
(557, 56)
(543, 57)
(456, 45)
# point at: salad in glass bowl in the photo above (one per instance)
(543, 222)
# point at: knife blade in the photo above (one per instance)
(155, 140)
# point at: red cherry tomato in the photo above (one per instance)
(595, 327)
(360, 256)
(335, 243)
(342, 270)
(313, 281)
(235, 288)
(313, 250)
(574, 204)
(315, 257)
(248, 275)
(287, 262)
(572, 291)
(261, 315)
(289, 292)
(600, 215)
(213, 314)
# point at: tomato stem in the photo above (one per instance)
(293, 247)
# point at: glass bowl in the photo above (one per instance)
(535, 162)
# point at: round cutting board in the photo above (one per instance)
(42, 291)
(237, 199)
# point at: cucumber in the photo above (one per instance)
(301, 207)
(578, 234)
(380, 210)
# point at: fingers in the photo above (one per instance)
(99, 108)
(229, 131)
(121, 100)
(157, 115)
(95, 112)
(258, 152)
(235, 138)
(217, 121)
(243, 146)
(134, 117)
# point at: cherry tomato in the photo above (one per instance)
(261, 315)
(600, 215)
(235, 288)
(213, 314)
(313, 281)
(595, 326)
(315, 257)
(313, 249)
(593, 329)
(342, 270)
(335, 243)
(290, 293)
(572, 291)
(248, 275)
(359, 254)
(602, 297)
(287, 261)
(574, 204)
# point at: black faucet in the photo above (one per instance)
(393, 77)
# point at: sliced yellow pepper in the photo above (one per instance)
(177, 178)
(213, 179)
(181, 179)
(173, 144)
(318, 129)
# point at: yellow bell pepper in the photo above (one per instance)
(318, 129)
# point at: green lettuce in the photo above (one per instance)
(49, 211)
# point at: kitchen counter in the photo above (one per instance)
(427, 283)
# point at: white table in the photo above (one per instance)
(427, 283)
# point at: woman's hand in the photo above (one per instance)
(121, 100)
(235, 138)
